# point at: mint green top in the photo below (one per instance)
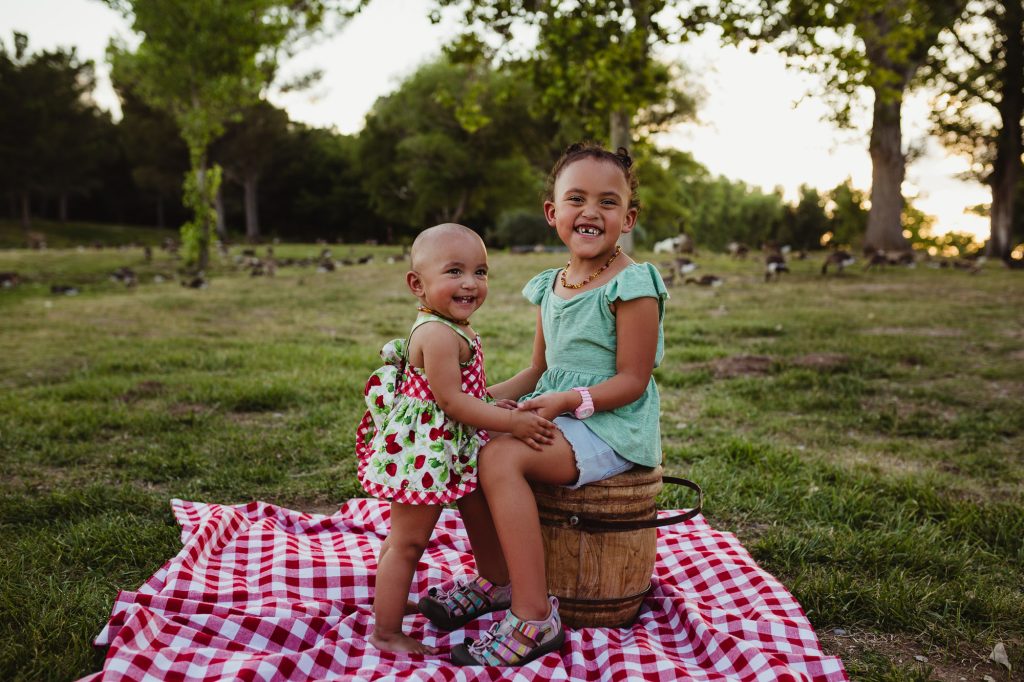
(580, 343)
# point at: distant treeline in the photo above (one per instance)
(451, 143)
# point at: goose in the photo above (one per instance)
(685, 266)
(706, 281)
(774, 265)
(738, 249)
(840, 259)
(196, 282)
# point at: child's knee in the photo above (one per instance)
(409, 549)
(495, 465)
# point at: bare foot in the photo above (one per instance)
(399, 643)
(410, 608)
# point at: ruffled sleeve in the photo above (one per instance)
(638, 281)
(540, 285)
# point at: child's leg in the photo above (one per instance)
(506, 467)
(476, 517)
(452, 604)
(410, 606)
(411, 526)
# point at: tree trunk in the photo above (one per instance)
(218, 206)
(621, 136)
(204, 215)
(888, 167)
(1006, 168)
(251, 186)
(62, 207)
(455, 215)
(26, 211)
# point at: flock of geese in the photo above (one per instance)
(682, 269)
(776, 261)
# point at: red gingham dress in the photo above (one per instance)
(408, 449)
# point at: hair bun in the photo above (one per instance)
(624, 157)
(574, 148)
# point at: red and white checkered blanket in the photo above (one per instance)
(259, 592)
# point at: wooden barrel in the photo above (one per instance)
(600, 577)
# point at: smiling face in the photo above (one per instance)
(449, 271)
(590, 208)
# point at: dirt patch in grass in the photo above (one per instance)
(742, 366)
(181, 410)
(145, 389)
(905, 651)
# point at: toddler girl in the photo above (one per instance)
(598, 338)
(429, 412)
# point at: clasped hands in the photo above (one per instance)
(530, 420)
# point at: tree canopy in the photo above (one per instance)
(451, 144)
(202, 63)
(979, 72)
(53, 137)
(875, 44)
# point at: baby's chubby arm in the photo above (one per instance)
(441, 365)
(636, 345)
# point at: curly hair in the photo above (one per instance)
(593, 150)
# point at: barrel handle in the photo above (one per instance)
(598, 526)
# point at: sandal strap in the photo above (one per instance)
(468, 597)
(497, 649)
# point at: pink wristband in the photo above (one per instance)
(586, 407)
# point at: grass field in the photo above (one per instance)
(863, 435)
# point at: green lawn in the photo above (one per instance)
(871, 456)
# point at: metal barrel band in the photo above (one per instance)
(613, 601)
(575, 521)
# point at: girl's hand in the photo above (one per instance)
(531, 428)
(506, 404)
(550, 405)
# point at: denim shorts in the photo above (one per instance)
(595, 459)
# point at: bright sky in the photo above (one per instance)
(756, 124)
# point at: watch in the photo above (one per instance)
(586, 407)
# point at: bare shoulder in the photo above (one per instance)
(438, 338)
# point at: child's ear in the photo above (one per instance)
(549, 212)
(414, 282)
(630, 221)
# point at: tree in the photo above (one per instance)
(878, 44)
(246, 150)
(51, 132)
(805, 223)
(980, 73)
(153, 148)
(668, 193)
(203, 62)
(593, 66)
(849, 217)
(449, 145)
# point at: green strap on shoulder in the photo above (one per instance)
(427, 317)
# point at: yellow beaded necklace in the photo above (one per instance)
(431, 311)
(593, 275)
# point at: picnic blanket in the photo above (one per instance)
(259, 592)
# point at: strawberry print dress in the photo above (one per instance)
(408, 449)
